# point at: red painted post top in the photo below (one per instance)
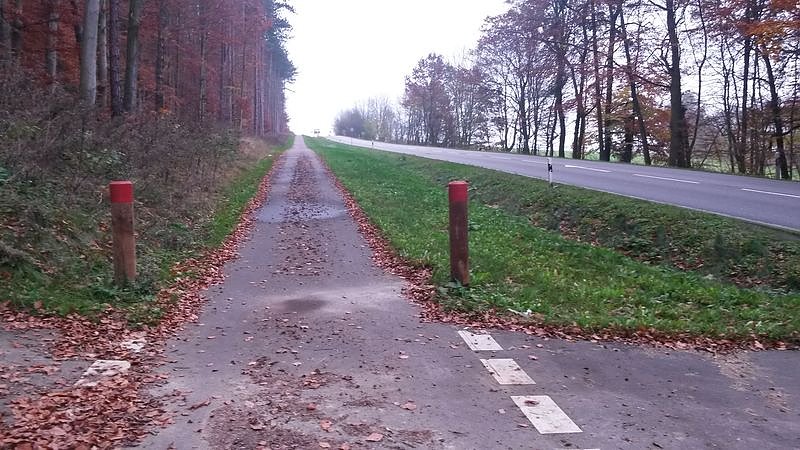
(121, 191)
(457, 191)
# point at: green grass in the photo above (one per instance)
(517, 265)
(62, 264)
(236, 197)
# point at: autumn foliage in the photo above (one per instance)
(207, 60)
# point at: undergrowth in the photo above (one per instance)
(191, 183)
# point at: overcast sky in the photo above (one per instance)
(349, 50)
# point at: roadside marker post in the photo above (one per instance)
(122, 231)
(459, 243)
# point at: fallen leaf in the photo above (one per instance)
(324, 445)
(325, 425)
(374, 437)
(200, 405)
(410, 406)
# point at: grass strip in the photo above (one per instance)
(516, 265)
(84, 283)
(236, 197)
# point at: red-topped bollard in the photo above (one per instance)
(122, 231)
(459, 243)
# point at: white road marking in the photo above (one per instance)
(479, 342)
(771, 193)
(586, 168)
(507, 371)
(666, 179)
(545, 415)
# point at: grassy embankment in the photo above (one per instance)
(191, 185)
(574, 256)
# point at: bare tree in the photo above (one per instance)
(89, 52)
(129, 102)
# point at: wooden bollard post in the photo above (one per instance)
(122, 231)
(459, 243)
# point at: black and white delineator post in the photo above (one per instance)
(550, 171)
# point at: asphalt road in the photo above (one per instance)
(769, 202)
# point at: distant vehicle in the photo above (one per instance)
(316, 132)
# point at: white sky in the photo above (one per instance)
(347, 51)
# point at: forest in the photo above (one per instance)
(185, 98)
(204, 60)
(685, 83)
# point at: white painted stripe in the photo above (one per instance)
(666, 179)
(771, 193)
(479, 342)
(586, 168)
(545, 415)
(507, 371)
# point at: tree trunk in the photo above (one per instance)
(559, 105)
(5, 32)
(741, 150)
(114, 58)
(522, 118)
(637, 106)
(201, 112)
(51, 55)
(16, 31)
(161, 54)
(777, 120)
(695, 130)
(223, 55)
(626, 155)
(613, 11)
(102, 54)
(598, 97)
(132, 56)
(679, 137)
(89, 52)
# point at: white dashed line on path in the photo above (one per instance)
(570, 166)
(666, 179)
(545, 415)
(507, 371)
(479, 342)
(771, 193)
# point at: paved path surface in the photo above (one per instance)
(771, 202)
(308, 345)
